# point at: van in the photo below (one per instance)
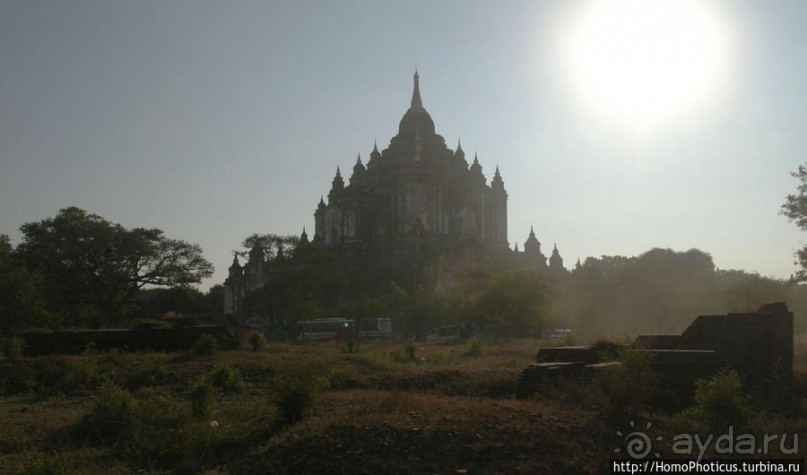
(450, 333)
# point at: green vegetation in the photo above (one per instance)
(719, 401)
(795, 209)
(257, 342)
(631, 385)
(206, 345)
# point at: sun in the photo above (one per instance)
(645, 60)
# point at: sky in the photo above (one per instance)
(215, 120)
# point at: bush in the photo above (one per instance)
(202, 399)
(37, 462)
(159, 432)
(476, 347)
(206, 345)
(112, 412)
(83, 374)
(632, 384)
(296, 400)
(257, 341)
(351, 347)
(15, 349)
(19, 378)
(719, 401)
(152, 376)
(227, 379)
(407, 354)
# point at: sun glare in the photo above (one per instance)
(645, 61)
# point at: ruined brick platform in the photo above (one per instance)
(756, 345)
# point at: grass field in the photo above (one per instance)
(324, 408)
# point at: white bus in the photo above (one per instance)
(343, 329)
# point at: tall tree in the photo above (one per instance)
(93, 268)
(515, 301)
(21, 302)
(795, 209)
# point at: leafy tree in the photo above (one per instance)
(795, 209)
(94, 268)
(657, 292)
(21, 302)
(746, 292)
(300, 283)
(270, 245)
(179, 299)
(516, 301)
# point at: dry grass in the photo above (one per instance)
(375, 409)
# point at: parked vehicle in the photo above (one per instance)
(447, 333)
(343, 329)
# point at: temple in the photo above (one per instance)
(416, 186)
(416, 200)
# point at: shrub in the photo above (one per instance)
(112, 412)
(407, 354)
(779, 395)
(227, 379)
(15, 349)
(153, 376)
(257, 341)
(206, 345)
(202, 399)
(350, 347)
(83, 374)
(632, 384)
(37, 462)
(19, 378)
(296, 400)
(159, 432)
(719, 401)
(476, 347)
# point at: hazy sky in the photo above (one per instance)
(216, 120)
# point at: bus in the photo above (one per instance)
(449, 333)
(343, 329)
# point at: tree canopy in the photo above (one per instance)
(21, 303)
(93, 268)
(795, 209)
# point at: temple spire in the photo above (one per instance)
(417, 103)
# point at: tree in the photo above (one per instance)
(93, 268)
(795, 209)
(271, 245)
(21, 303)
(301, 282)
(516, 301)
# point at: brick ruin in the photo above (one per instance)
(136, 339)
(756, 345)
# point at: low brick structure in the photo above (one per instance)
(756, 344)
(137, 339)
